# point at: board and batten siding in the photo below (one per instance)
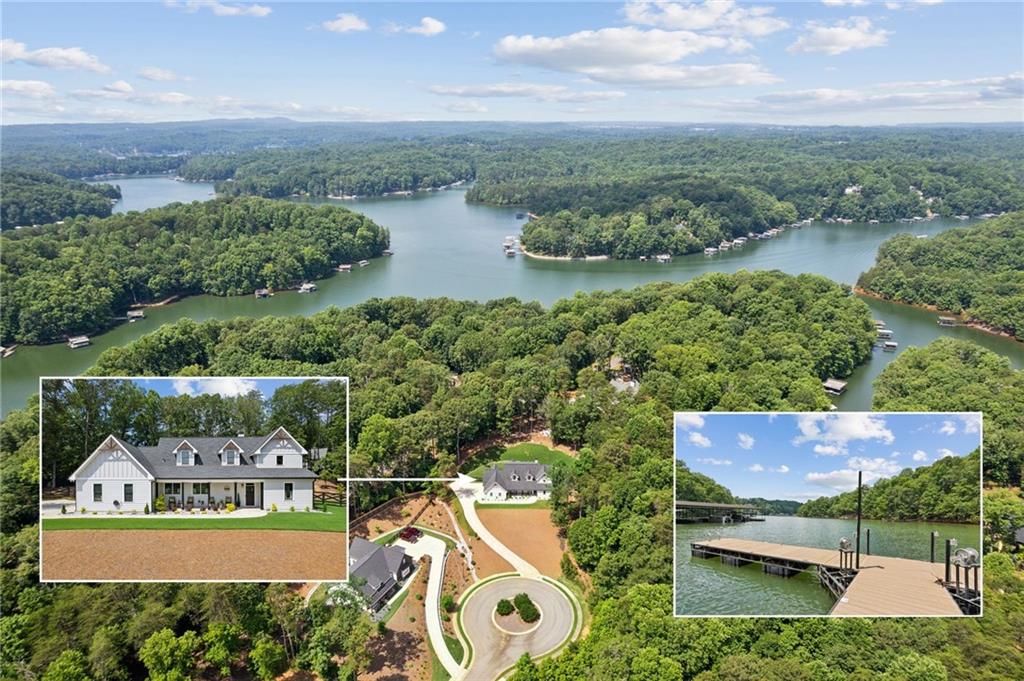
(291, 455)
(302, 494)
(113, 469)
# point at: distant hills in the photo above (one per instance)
(693, 486)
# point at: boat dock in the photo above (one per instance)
(714, 512)
(881, 587)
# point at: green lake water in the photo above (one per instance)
(709, 587)
(446, 247)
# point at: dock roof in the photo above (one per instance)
(711, 504)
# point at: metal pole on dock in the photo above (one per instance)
(860, 476)
(949, 551)
(934, 535)
(868, 549)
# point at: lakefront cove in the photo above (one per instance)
(444, 246)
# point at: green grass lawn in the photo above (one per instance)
(524, 451)
(454, 647)
(332, 521)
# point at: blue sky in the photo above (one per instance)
(830, 62)
(225, 386)
(805, 456)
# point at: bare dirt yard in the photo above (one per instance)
(530, 533)
(402, 652)
(264, 555)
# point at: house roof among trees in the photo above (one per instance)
(517, 476)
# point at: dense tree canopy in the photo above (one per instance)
(694, 486)
(977, 271)
(945, 491)
(76, 277)
(31, 197)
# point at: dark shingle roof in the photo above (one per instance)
(503, 476)
(159, 460)
(374, 566)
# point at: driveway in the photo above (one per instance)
(466, 490)
(435, 548)
(494, 650)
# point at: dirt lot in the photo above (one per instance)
(263, 555)
(402, 652)
(540, 545)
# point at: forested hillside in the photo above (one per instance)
(945, 491)
(772, 506)
(35, 198)
(514, 360)
(977, 271)
(60, 280)
(693, 486)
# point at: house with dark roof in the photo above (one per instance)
(196, 471)
(517, 479)
(377, 571)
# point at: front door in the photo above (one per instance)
(250, 494)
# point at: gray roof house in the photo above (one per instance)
(377, 571)
(196, 471)
(517, 478)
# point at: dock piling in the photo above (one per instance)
(868, 548)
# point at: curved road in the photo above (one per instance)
(467, 489)
(495, 651)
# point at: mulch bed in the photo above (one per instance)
(257, 555)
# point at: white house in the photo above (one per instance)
(517, 479)
(196, 471)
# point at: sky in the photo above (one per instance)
(224, 386)
(809, 455)
(848, 62)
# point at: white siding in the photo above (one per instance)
(292, 456)
(302, 494)
(112, 469)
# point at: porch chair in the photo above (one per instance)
(190, 503)
(172, 505)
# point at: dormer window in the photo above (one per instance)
(184, 457)
(184, 454)
(230, 457)
(529, 477)
(515, 477)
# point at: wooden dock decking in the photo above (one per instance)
(883, 587)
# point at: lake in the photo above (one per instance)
(709, 587)
(446, 247)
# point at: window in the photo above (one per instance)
(129, 492)
(201, 488)
(229, 457)
(172, 488)
(97, 492)
(183, 457)
(288, 488)
(280, 460)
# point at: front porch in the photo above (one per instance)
(202, 494)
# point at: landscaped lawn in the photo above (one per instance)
(334, 520)
(524, 451)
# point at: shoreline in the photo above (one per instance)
(567, 258)
(963, 319)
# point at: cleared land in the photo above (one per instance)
(402, 651)
(528, 532)
(334, 520)
(258, 555)
(525, 451)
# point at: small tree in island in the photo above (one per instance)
(505, 607)
(527, 610)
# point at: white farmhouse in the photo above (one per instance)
(517, 479)
(196, 472)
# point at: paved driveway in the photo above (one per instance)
(466, 490)
(494, 650)
(435, 548)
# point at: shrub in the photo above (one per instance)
(273, 508)
(306, 509)
(505, 607)
(568, 567)
(448, 603)
(63, 510)
(82, 510)
(292, 509)
(527, 610)
(229, 508)
(145, 510)
(160, 504)
(267, 658)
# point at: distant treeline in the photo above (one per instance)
(694, 486)
(947, 490)
(32, 197)
(977, 270)
(772, 506)
(77, 277)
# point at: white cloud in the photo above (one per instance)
(845, 479)
(947, 428)
(755, 468)
(428, 26)
(972, 422)
(33, 89)
(123, 90)
(155, 73)
(220, 9)
(920, 455)
(877, 467)
(226, 387)
(345, 23)
(237, 105)
(840, 3)
(699, 439)
(855, 33)
(836, 431)
(534, 91)
(714, 16)
(688, 420)
(51, 57)
(465, 107)
(119, 86)
(842, 480)
(782, 469)
(715, 462)
(633, 56)
(758, 468)
(942, 453)
(744, 441)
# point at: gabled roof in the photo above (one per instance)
(131, 450)
(274, 434)
(502, 476)
(375, 565)
(177, 447)
(229, 442)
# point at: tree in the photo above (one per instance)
(223, 644)
(168, 657)
(71, 665)
(267, 658)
